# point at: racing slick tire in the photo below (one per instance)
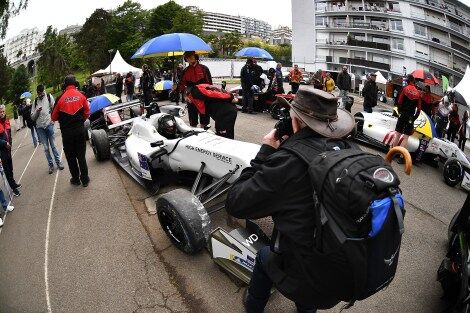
(135, 112)
(453, 172)
(87, 129)
(184, 220)
(100, 144)
(275, 110)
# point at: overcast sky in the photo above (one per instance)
(60, 13)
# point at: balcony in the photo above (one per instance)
(460, 48)
(368, 44)
(361, 25)
(365, 63)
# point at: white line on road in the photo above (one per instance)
(46, 252)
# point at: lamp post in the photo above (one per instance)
(110, 51)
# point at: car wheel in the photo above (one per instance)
(87, 129)
(135, 112)
(184, 220)
(453, 172)
(275, 110)
(100, 144)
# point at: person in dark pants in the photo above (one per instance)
(295, 77)
(278, 185)
(71, 110)
(369, 92)
(195, 73)
(247, 77)
(343, 81)
(409, 108)
(279, 78)
(119, 86)
(454, 123)
(216, 103)
(464, 131)
(147, 84)
(5, 151)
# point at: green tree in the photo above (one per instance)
(8, 9)
(128, 25)
(56, 58)
(93, 40)
(19, 83)
(172, 17)
(6, 73)
(230, 43)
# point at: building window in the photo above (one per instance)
(320, 6)
(420, 30)
(398, 44)
(320, 21)
(396, 25)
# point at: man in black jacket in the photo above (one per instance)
(147, 84)
(247, 79)
(369, 92)
(278, 185)
(343, 81)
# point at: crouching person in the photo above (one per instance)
(217, 103)
(71, 110)
(278, 185)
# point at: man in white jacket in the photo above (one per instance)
(41, 114)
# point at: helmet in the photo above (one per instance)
(167, 126)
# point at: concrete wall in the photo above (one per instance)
(303, 34)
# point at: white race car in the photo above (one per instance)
(378, 129)
(157, 149)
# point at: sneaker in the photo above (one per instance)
(75, 182)
(1, 222)
(60, 166)
(9, 208)
(51, 169)
(18, 186)
(16, 192)
(85, 182)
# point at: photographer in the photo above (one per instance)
(278, 185)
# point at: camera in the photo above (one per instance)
(284, 125)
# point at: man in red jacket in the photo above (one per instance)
(193, 75)
(71, 110)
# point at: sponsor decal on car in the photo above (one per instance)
(248, 263)
(218, 156)
(144, 166)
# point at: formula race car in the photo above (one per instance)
(378, 129)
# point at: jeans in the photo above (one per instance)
(47, 137)
(129, 97)
(35, 135)
(260, 286)
(294, 87)
(3, 201)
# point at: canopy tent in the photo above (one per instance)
(380, 79)
(118, 65)
(463, 87)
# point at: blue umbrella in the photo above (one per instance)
(172, 45)
(25, 94)
(254, 52)
(102, 101)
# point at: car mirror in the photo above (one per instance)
(157, 144)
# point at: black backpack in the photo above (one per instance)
(358, 208)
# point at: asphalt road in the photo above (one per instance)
(107, 254)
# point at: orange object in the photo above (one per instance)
(406, 155)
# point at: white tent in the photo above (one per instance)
(118, 65)
(380, 79)
(463, 86)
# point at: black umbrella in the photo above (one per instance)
(459, 98)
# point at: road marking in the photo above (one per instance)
(46, 252)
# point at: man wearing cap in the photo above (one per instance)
(278, 185)
(369, 92)
(71, 110)
(194, 74)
